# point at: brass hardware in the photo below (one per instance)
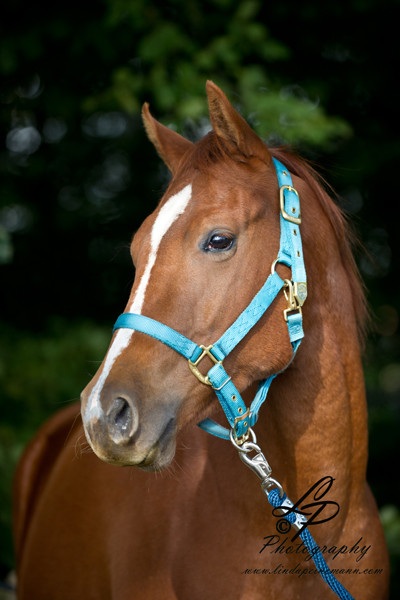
(296, 295)
(245, 436)
(193, 365)
(223, 385)
(285, 215)
(300, 292)
(237, 442)
(289, 310)
(276, 261)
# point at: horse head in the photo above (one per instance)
(200, 257)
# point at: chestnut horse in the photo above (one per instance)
(201, 528)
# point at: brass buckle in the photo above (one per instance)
(193, 365)
(285, 215)
(296, 295)
(245, 436)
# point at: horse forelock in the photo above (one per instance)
(211, 151)
(205, 153)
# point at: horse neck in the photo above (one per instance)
(315, 422)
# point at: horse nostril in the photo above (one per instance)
(122, 420)
(122, 416)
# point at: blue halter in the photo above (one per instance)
(290, 253)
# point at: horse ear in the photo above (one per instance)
(170, 145)
(229, 126)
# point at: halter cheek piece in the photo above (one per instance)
(290, 253)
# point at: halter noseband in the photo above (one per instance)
(290, 253)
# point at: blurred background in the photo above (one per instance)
(77, 176)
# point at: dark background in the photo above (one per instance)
(77, 175)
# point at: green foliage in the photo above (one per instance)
(38, 375)
(6, 251)
(390, 517)
(76, 164)
(12, 442)
(171, 66)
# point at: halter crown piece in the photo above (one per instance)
(290, 253)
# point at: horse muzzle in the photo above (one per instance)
(120, 435)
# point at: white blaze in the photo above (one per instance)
(168, 214)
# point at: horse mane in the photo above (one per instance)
(209, 150)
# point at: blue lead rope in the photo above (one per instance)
(275, 499)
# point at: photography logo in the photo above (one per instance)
(311, 505)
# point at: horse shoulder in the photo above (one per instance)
(35, 466)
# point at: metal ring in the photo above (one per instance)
(274, 265)
(249, 446)
(239, 447)
(281, 262)
(271, 482)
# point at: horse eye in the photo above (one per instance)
(219, 242)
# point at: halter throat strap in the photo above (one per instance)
(290, 253)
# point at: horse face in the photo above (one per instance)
(200, 258)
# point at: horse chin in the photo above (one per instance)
(157, 461)
(156, 458)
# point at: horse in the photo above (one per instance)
(190, 521)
